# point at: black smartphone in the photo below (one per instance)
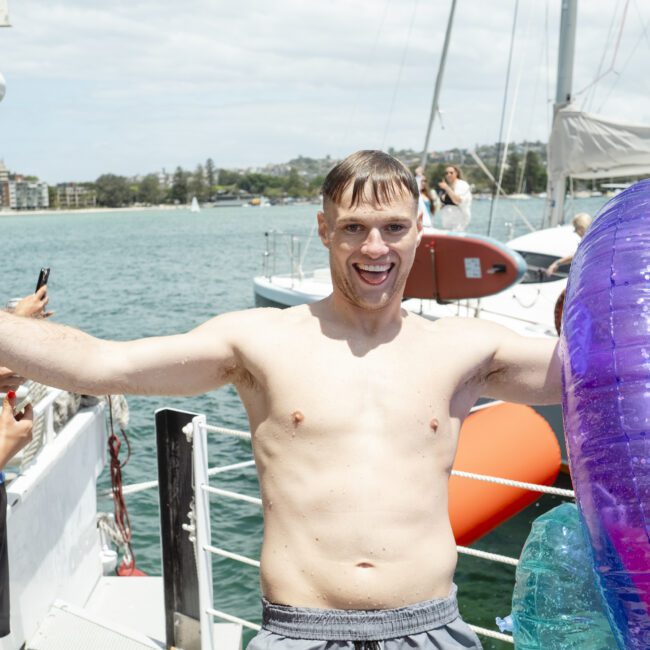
(42, 278)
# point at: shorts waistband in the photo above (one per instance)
(359, 624)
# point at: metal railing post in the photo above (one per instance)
(202, 528)
(182, 610)
(265, 256)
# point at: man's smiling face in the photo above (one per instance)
(371, 247)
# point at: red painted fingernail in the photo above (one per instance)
(11, 394)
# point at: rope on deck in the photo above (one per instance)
(493, 557)
(232, 556)
(492, 634)
(225, 431)
(519, 484)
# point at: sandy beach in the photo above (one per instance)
(140, 208)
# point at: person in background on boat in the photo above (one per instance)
(15, 433)
(355, 407)
(31, 306)
(419, 174)
(427, 203)
(456, 198)
(581, 223)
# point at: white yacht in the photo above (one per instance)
(527, 307)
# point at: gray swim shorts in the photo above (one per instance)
(433, 624)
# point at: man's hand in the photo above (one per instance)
(15, 431)
(33, 306)
(9, 380)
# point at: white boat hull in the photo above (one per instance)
(54, 550)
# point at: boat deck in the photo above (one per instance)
(121, 614)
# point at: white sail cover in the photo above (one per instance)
(591, 146)
(4, 14)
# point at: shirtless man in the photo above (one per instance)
(355, 406)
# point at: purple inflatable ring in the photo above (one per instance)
(606, 377)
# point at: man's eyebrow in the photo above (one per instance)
(382, 218)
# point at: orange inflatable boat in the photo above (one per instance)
(509, 441)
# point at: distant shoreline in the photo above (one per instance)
(141, 208)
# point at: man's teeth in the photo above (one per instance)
(374, 268)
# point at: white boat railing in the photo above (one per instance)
(274, 239)
(196, 432)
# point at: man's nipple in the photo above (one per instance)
(297, 417)
(434, 425)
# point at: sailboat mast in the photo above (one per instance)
(557, 186)
(436, 92)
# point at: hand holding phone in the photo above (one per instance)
(43, 277)
(33, 305)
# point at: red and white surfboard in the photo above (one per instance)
(452, 266)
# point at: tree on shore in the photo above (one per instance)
(113, 191)
(535, 175)
(197, 184)
(149, 191)
(210, 177)
(180, 187)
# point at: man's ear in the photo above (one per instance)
(323, 229)
(419, 226)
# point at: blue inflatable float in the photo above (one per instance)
(556, 603)
(606, 376)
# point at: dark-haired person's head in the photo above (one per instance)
(452, 172)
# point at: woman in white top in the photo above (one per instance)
(456, 198)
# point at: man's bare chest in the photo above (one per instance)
(330, 386)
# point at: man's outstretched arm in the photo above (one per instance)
(61, 356)
(522, 369)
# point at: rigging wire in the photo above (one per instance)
(645, 27)
(363, 76)
(522, 176)
(399, 74)
(495, 191)
(590, 88)
(599, 76)
(547, 49)
(644, 33)
(513, 108)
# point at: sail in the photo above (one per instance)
(4, 14)
(590, 146)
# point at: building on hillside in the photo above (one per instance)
(164, 179)
(72, 195)
(28, 195)
(18, 193)
(4, 185)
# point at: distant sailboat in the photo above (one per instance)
(195, 205)
(4, 14)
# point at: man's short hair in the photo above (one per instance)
(374, 175)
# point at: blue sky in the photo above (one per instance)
(132, 86)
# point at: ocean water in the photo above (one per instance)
(124, 275)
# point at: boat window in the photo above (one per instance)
(537, 264)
